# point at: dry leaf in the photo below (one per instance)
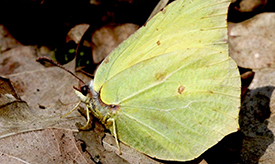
(260, 135)
(203, 162)
(252, 46)
(108, 37)
(6, 40)
(45, 93)
(28, 115)
(43, 146)
(76, 33)
(252, 42)
(250, 5)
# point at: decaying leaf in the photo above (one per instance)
(252, 41)
(43, 146)
(108, 37)
(6, 40)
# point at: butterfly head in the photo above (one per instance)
(86, 92)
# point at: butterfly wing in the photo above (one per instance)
(177, 90)
(182, 25)
(179, 108)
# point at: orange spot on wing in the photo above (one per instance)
(160, 76)
(158, 42)
(106, 60)
(181, 89)
(163, 11)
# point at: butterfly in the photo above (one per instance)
(170, 90)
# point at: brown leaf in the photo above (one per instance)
(252, 46)
(76, 33)
(27, 118)
(250, 5)
(252, 41)
(261, 104)
(43, 146)
(49, 88)
(6, 40)
(108, 37)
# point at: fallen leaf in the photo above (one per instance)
(30, 112)
(108, 37)
(260, 135)
(42, 146)
(76, 33)
(252, 42)
(250, 5)
(6, 40)
(37, 86)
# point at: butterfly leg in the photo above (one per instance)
(65, 115)
(112, 121)
(88, 119)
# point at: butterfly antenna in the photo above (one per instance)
(43, 59)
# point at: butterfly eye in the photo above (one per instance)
(84, 90)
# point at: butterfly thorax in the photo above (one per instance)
(99, 109)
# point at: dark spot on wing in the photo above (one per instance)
(163, 11)
(158, 42)
(160, 76)
(106, 60)
(181, 89)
